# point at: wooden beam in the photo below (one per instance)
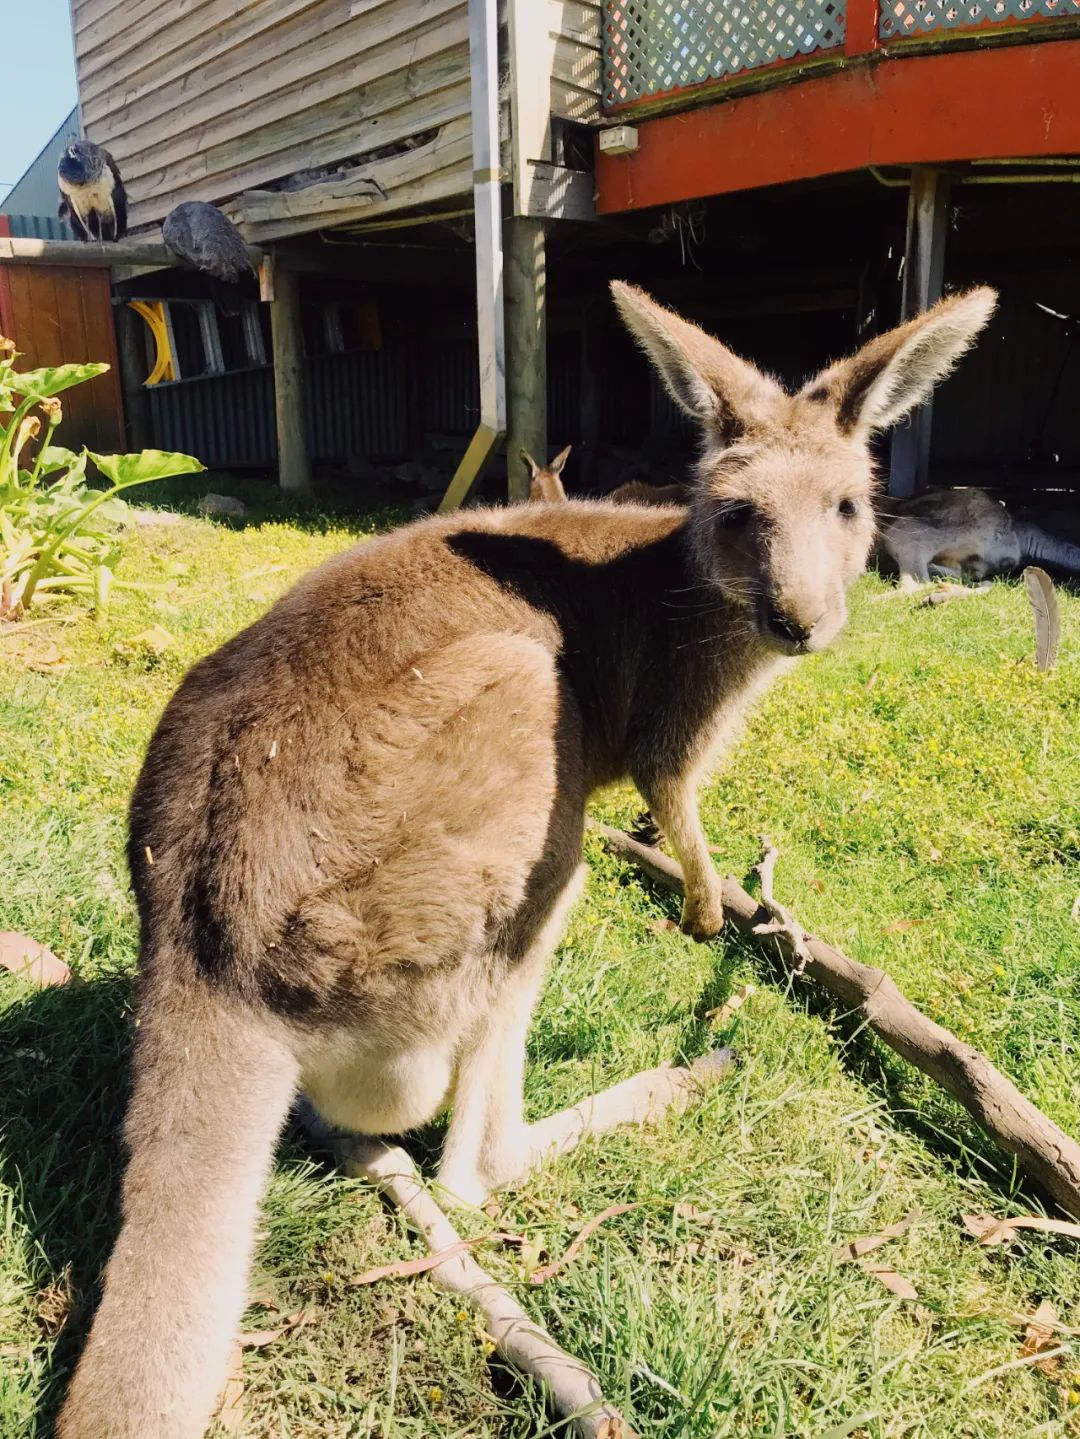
(89, 256)
(526, 349)
(532, 53)
(861, 27)
(924, 278)
(469, 472)
(552, 192)
(1011, 102)
(294, 463)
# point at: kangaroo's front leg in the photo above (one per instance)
(673, 801)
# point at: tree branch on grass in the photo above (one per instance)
(574, 1390)
(1045, 1152)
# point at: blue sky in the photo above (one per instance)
(37, 82)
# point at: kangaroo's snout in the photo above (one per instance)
(786, 626)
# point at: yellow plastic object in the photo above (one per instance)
(153, 312)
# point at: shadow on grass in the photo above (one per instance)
(64, 1057)
(916, 1105)
(336, 503)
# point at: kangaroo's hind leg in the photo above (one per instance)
(489, 1144)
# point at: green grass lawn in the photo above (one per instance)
(923, 784)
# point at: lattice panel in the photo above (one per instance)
(916, 17)
(652, 46)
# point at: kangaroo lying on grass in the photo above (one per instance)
(358, 828)
(964, 534)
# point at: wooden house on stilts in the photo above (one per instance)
(440, 190)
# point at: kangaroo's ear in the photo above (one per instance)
(892, 374)
(556, 466)
(534, 468)
(704, 378)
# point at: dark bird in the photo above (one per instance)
(202, 236)
(93, 200)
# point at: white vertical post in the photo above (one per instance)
(924, 277)
(487, 206)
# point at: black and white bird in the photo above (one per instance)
(93, 200)
(200, 235)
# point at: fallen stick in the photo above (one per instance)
(574, 1390)
(642, 1099)
(1042, 1150)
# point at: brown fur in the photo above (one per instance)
(358, 827)
(637, 492)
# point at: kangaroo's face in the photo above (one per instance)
(783, 522)
(782, 516)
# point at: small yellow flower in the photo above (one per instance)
(435, 1394)
(462, 1316)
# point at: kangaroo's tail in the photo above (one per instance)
(1036, 544)
(213, 1082)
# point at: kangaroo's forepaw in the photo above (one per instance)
(703, 918)
(466, 1186)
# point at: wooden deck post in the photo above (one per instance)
(526, 349)
(924, 275)
(131, 351)
(294, 462)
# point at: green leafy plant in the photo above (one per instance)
(57, 533)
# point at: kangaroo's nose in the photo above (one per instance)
(786, 626)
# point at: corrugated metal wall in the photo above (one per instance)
(357, 404)
(1012, 409)
(38, 227)
(226, 421)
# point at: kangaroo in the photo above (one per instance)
(358, 827)
(637, 492)
(964, 533)
(546, 486)
(545, 483)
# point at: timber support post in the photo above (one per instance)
(924, 277)
(294, 462)
(526, 349)
(131, 351)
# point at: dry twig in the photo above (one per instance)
(1043, 1151)
(782, 921)
(575, 1391)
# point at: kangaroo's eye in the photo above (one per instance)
(734, 516)
(848, 508)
